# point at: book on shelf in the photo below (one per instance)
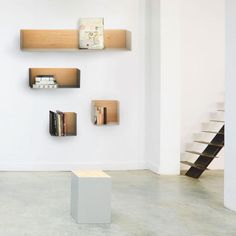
(45, 81)
(91, 33)
(49, 82)
(40, 86)
(51, 123)
(39, 78)
(100, 115)
(61, 123)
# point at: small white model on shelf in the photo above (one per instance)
(45, 81)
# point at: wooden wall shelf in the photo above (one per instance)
(69, 127)
(68, 40)
(105, 112)
(65, 77)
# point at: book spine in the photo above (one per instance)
(55, 124)
(47, 82)
(104, 115)
(63, 124)
(59, 124)
(51, 122)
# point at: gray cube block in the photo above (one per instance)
(91, 197)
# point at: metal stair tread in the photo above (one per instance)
(212, 132)
(209, 143)
(215, 120)
(202, 154)
(194, 165)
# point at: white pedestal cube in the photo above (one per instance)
(91, 197)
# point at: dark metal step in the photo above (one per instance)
(194, 165)
(202, 154)
(206, 157)
(210, 143)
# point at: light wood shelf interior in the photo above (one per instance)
(68, 40)
(71, 123)
(112, 110)
(65, 77)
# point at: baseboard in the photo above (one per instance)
(71, 166)
(154, 168)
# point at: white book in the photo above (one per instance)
(43, 78)
(45, 82)
(91, 33)
(37, 79)
(43, 86)
(52, 86)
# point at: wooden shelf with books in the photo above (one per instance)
(105, 112)
(62, 123)
(54, 78)
(68, 40)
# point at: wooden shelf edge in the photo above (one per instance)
(66, 77)
(75, 48)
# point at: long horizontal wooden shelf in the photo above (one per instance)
(65, 77)
(68, 40)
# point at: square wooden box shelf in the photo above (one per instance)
(112, 107)
(65, 77)
(68, 40)
(70, 121)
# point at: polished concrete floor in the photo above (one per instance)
(143, 204)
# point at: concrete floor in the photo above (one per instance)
(143, 204)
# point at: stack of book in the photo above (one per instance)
(100, 116)
(57, 126)
(45, 81)
(91, 33)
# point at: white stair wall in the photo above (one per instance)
(217, 116)
(220, 106)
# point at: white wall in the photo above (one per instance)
(163, 87)
(186, 38)
(170, 88)
(202, 65)
(145, 81)
(153, 84)
(26, 143)
(230, 148)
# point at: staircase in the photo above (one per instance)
(207, 144)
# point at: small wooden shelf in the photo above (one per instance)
(70, 124)
(68, 40)
(65, 77)
(109, 116)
